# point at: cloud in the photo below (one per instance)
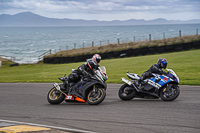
(105, 9)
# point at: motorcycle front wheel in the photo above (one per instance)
(125, 93)
(94, 98)
(55, 97)
(169, 94)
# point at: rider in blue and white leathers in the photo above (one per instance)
(155, 68)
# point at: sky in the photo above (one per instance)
(106, 10)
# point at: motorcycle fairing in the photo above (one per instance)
(161, 81)
(148, 87)
(79, 89)
(172, 77)
(79, 85)
(133, 76)
(79, 99)
(91, 84)
(74, 97)
(94, 82)
(154, 84)
(69, 97)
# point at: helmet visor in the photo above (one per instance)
(164, 64)
(98, 60)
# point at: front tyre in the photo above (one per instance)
(169, 93)
(55, 97)
(94, 98)
(126, 92)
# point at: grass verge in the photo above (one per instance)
(186, 64)
(124, 46)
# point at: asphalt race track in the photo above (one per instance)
(27, 102)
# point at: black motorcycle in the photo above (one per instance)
(89, 89)
(159, 86)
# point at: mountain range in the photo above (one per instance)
(31, 19)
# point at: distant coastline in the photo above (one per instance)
(29, 19)
(26, 44)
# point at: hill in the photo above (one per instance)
(31, 19)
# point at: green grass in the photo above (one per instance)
(186, 64)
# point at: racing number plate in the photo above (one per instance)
(69, 97)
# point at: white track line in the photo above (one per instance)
(53, 127)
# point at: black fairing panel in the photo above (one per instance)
(148, 87)
(82, 86)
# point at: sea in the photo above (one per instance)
(24, 45)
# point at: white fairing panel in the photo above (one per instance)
(173, 73)
(133, 76)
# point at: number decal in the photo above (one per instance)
(69, 97)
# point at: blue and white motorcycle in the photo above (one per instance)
(159, 86)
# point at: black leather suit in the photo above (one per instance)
(155, 68)
(85, 70)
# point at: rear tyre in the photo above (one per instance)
(55, 97)
(126, 92)
(96, 98)
(169, 94)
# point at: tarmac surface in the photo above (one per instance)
(25, 104)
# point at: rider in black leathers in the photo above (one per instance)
(155, 68)
(85, 70)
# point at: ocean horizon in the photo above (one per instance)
(26, 44)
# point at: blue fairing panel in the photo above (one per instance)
(163, 81)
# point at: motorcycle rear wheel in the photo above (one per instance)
(171, 95)
(96, 98)
(55, 98)
(126, 95)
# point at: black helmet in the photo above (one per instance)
(96, 59)
(162, 62)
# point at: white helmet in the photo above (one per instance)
(96, 59)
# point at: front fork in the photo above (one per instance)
(95, 89)
(58, 88)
